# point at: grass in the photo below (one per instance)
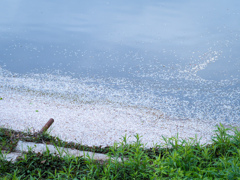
(176, 159)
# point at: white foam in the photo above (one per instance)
(100, 111)
(95, 124)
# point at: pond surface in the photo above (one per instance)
(181, 57)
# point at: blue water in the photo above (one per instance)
(181, 57)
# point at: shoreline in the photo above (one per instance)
(95, 124)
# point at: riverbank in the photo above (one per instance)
(185, 159)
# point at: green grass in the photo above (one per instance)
(176, 159)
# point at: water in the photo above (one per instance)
(178, 57)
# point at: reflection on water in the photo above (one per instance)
(179, 57)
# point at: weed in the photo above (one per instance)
(176, 159)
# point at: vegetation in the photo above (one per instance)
(176, 159)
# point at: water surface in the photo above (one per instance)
(179, 57)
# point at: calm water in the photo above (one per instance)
(181, 57)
